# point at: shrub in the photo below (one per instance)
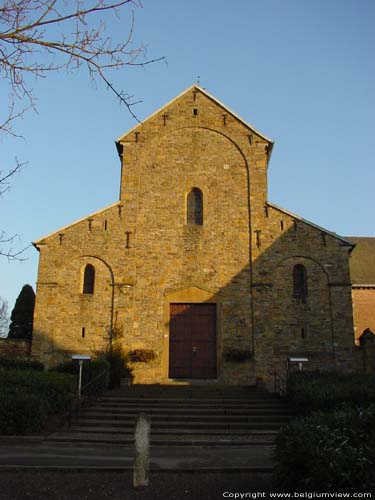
(54, 389)
(118, 360)
(142, 355)
(21, 413)
(330, 451)
(21, 364)
(95, 375)
(313, 391)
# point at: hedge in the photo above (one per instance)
(95, 375)
(28, 397)
(21, 364)
(21, 413)
(314, 391)
(333, 451)
(54, 389)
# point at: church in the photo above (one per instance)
(194, 262)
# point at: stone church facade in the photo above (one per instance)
(194, 262)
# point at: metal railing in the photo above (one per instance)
(73, 411)
(280, 384)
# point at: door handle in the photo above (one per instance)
(195, 350)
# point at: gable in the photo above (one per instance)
(344, 241)
(175, 105)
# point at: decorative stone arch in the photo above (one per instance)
(192, 294)
(317, 309)
(100, 260)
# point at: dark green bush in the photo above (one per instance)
(314, 391)
(118, 360)
(21, 413)
(54, 389)
(142, 355)
(330, 451)
(21, 364)
(95, 375)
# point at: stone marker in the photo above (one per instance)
(142, 451)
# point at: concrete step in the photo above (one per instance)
(185, 398)
(180, 417)
(162, 440)
(188, 411)
(263, 434)
(184, 403)
(208, 426)
(159, 420)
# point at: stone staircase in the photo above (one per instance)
(180, 416)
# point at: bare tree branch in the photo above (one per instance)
(41, 36)
(4, 318)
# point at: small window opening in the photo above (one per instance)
(83, 332)
(282, 225)
(300, 283)
(89, 279)
(105, 225)
(195, 111)
(195, 207)
(303, 333)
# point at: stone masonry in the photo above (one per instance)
(146, 257)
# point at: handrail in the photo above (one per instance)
(93, 380)
(280, 384)
(77, 402)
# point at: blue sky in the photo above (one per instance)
(301, 71)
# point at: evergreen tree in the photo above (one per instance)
(21, 326)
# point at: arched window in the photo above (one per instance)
(195, 207)
(300, 282)
(89, 279)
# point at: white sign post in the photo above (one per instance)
(80, 358)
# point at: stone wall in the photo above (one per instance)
(241, 259)
(15, 348)
(363, 309)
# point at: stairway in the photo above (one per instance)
(180, 416)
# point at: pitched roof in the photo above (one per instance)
(41, 241)
(362, 261)
(207, 94)
(344, 240)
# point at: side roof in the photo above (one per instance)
(309, 223)
(212, 98)
(362, 261)
(41, 241)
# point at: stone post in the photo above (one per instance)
(367, 343)
(142, 451)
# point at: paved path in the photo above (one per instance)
(36, 453)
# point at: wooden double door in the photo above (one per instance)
(192, 341)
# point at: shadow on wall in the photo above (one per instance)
(260, 310)
(266, 308)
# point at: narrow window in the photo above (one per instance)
(195, 207)
(89, 279)
(300, 283)
(83, 332)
